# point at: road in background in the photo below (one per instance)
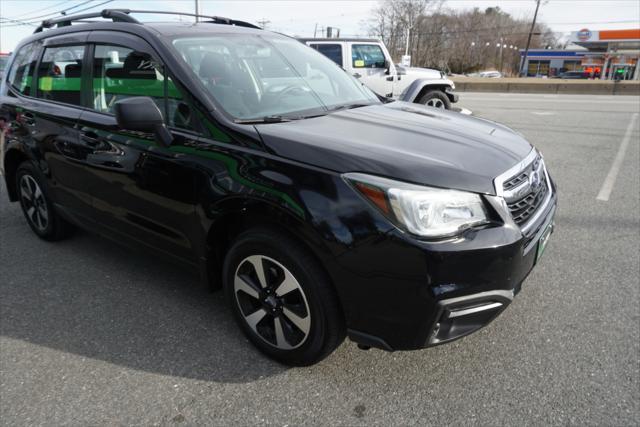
(92, 333)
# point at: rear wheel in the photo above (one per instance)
(281, 298)
(36, 205)
(437, 99)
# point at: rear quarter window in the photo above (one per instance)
(21, 72)
(331, 51)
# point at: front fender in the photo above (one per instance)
(419, 86)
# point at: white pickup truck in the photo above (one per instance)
(369, 61)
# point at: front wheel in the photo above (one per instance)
(282, 298)
(437, 99)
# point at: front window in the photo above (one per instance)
(254, 77)
(367, 56)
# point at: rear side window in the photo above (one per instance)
(21, 72)
(59, 74)
(331, 51)
(367, 56)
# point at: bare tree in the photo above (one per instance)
(454, 41)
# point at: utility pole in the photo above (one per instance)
(526, 50)
(197, 10)
(406, 48)
(263, 23)
(500, 69)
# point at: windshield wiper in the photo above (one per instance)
(266, 119)
(350, 106)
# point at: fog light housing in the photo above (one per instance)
(464, 315)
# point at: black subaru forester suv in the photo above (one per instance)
(320, 208)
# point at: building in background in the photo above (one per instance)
(605, 54)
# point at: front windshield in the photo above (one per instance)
(256, 77)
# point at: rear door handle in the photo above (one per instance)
(90, 138)
(357, 75)
(29, 119)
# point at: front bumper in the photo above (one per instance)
(453, 97)
(428, 293)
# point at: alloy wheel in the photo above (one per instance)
(34, 203)
(272, 302)
(435, 102)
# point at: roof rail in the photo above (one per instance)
(214, 19)
(123, 15)
(116, 15)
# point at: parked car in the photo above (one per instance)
(369, 61)
(4, 58)
(573, 75)
(321, 211)
(490, 74)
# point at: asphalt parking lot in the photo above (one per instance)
(92, 333)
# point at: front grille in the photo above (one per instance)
(525, 207)
(526, 190)
(515, 181)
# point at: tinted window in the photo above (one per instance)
(59, 74)
(367, 56)
(22, 69)
(120, 72)
(331, 51)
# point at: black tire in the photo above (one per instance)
(438, 97)
(315, 297)
(37, 206)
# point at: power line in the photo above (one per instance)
(34, 19)
(15, 21)
(33, 11)
(76, 11)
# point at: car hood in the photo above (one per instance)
(423, 73)
(403, 141)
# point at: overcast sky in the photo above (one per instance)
(298, 17)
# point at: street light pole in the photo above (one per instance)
(526, 50)
(197, 10)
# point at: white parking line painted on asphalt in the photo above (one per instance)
(543, 113)
(620, 101)
(610, 180)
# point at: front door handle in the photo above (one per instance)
(390, 78)
(357, 75)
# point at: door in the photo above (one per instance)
(47, 85)
(59, 105)
(141, 191)
(368, 63)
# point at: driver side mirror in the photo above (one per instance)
(141, 114)
(387, 66)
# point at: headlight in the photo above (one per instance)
(423, 211)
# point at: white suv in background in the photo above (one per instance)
(369, 61)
